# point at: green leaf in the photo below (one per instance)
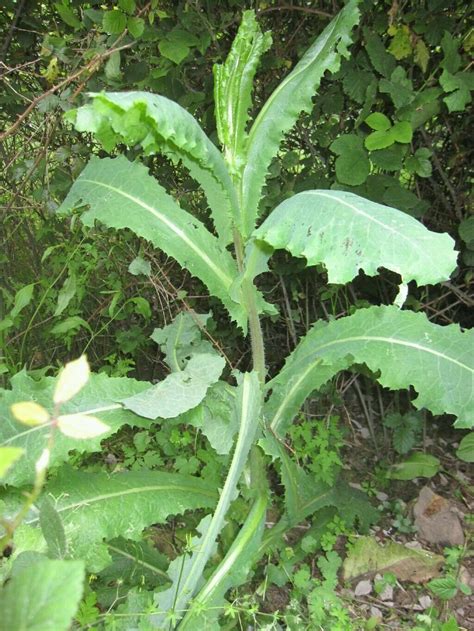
(66, 294)
(399, 87)
(23, 297)
(422, 55)
(444, 588)
(135, 26)
(99, 397)
(402, 346)
(416, 466)
(72, 323)
(42, 597)
(382, 61)
(129, 6)
(180, 391)
(112, 66)
(420, 163)
(352, 165)
(122, 194)
(379, 140)
(187, 572)
(52, 529)
(232, 572)
(233, 83)
(287, 102)
(466, 231)
(97, 506)
(182, 338)
(214, 417)
(400, 46)
(378, 121)
(348, 233)
(389, 159)
(68, 16)
(402, 132)
(139, 266)
(114, 22)
(8, 457)
(174, 49)
(465, 451)
(160, 125)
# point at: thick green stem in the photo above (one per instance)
(255, 328)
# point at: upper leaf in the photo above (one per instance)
(161, 125)
(233, 83)
(284, 106)
(348, 233)
(122, 194)
(403, 346)
(99, 397)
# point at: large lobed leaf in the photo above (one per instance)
(348, 233)
(97, 506)
(292, 97)
(233, 83)
(122, 194)
(99, 398)
(402, 346)
(161, 125)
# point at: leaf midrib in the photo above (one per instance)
(179, 233)
(131, 491)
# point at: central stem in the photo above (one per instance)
(255, 327)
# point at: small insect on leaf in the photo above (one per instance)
(30, 413)
(81, 426)
(71, 380)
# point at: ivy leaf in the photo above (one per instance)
(98, 397)
(180, 391)
(348, 233)
(452, 59)
(43, 596)
(402, 347)
(140, 267)
(352, 164)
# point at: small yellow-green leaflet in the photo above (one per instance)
(81, 426)
(8, 456)
(71, 380)
(30, 413)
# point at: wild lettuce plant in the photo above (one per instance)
(338, 229)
